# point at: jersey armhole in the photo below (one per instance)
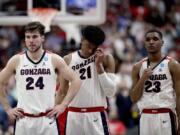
(20, 59)
(140, 66)
(170, 59)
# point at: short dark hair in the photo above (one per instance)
(93, 34)
(33, 26)
(154, 30)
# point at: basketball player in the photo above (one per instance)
(36, 72)
(86, 112)
(156, 89)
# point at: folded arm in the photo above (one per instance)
(105, 66)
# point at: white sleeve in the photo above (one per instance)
(108, 82)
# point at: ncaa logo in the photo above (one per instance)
(162, 65)
(45, 58)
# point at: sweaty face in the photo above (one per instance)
(87, 48)
(153, 42)
(33, 41)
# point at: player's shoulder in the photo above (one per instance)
(108, 57)
(171, 59)
(67, 58)
(49, 52)
(14, 60)
(174, 66)
(172, 62)
(16, 57)
(52, 54)
(56, 59)
(139, 63)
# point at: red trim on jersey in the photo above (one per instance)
(88, 109)
(158, 110)
(35, 115)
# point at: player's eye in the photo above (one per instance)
(35, 36)
(27, 37)
(147, 39)
(155, 38)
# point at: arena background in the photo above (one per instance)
(124, 22)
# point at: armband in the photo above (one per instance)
(108, 82)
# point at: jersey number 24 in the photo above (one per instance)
(31, 84)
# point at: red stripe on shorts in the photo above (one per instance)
(158, 110)
(88, 109)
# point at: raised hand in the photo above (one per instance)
(99, 56)
(147, 73)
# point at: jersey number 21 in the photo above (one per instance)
(85, 73)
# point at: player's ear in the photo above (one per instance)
(43, 38)
(162, 42)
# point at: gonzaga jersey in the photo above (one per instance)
(35, 83)
(158, 89)
(90, 93)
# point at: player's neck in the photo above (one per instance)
(155, 57)
(84, 54)
(35, 56)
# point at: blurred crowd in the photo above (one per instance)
(127, 21)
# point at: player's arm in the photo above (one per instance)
(63, 70)
(64, 84)
(138, 83)
(105, 66)
(5, 75)
(175, 72)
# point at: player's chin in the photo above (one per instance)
(151, 50)
(32, 49)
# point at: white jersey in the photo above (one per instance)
(35, 84)
(158, 89)
(90, 93)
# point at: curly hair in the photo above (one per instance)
(93, 34)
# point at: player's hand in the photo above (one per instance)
(56, 111)
(99, 56)
(14, 114)
(147, 73)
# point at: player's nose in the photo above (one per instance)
(30, 40)
(151, 41)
